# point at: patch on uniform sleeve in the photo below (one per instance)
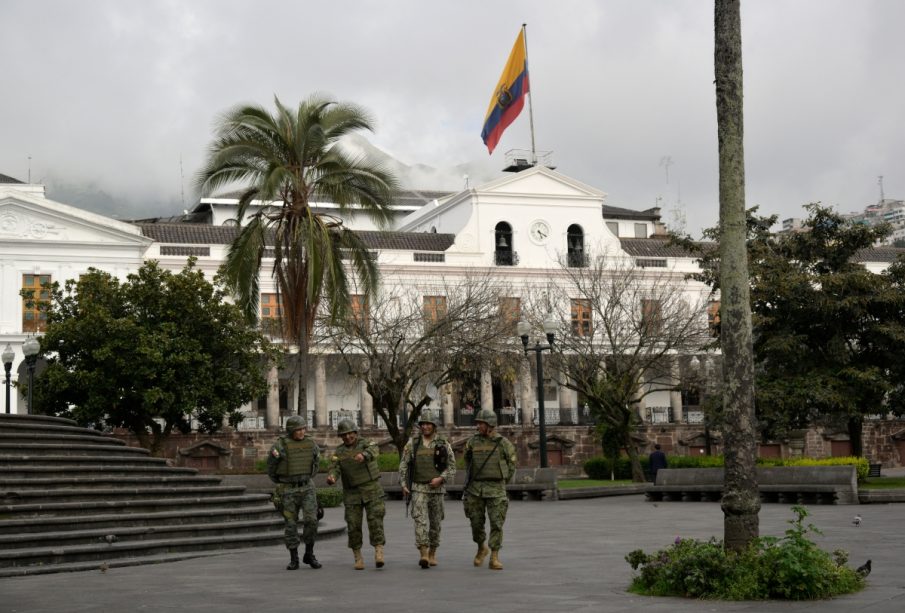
(275, 452)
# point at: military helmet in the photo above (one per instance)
(296, 422)
(346, 426)
(487, 416)
(428, 417)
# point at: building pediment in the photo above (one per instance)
(32, 219)
(541, 181)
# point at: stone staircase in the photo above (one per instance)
(72, 498)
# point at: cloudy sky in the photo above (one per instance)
(113, 101)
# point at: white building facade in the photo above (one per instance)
(519, 228)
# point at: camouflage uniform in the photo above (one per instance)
(427, 501)
(361, 491)
(486, 491)
(295, 490)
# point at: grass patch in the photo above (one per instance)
(567, 484)
(883, 483)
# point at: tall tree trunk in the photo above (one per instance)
(741, 502)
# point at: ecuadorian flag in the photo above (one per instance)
(508, 96)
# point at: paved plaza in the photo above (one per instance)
(558, 556)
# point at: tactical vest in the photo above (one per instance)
(356, 473)
(483, 454)
(298, 459)
(424, 463)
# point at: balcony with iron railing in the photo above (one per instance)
(577, 259)
(505, 258)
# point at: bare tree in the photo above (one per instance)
(741, 502)
(409, 342)
(624, 329)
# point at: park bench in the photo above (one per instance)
(528, 483)
(784, 484)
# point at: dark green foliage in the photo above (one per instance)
(603, 468)
(829, 335)
(791, 568)
(148, 354)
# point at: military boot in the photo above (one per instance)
(309, 558)
(359, 561)
(495, 563)
(424, 562)
(432, 556)
(378, 555)
(293, 559)
(483, 550)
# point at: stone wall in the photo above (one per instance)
(568, 446)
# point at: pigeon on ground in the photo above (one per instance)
(111, 538)
(856, 520)
(864, 569)
(103, 567)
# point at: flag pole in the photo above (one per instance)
(530, 97)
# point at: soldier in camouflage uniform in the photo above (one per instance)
(490, 461)
(292, 464)
(356, 461)
(427, 463)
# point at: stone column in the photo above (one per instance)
(272, 412)
(446, 405)
(526, 391)
(486, 390)
(568, 400)
(367, 406)
(320, 391)
(675, 396)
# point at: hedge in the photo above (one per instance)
(598, 467)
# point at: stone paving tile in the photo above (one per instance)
(558, 556)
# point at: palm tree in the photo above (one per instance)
(290, 159)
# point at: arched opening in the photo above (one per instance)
(503, 254)
(575, 247)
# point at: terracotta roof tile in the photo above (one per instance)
(194, 234)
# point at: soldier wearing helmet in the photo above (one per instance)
(490, 461)
(356, 462)
(427, 464)
(292, 464)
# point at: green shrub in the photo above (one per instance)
(329, 497)
(388, 462)
(790, 568)
(695, 461)
(599, 467)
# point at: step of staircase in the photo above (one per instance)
(52, 433)
(43, 470)
(114, 495)
(142, 505)
(114, 521)
(20, 484)
(72, 498)
(13, 460)
(123, 534)
(74, 448)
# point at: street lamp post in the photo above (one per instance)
(7, 357)
(30, 349)
(524, 329)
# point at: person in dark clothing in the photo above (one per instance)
(657, 461)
